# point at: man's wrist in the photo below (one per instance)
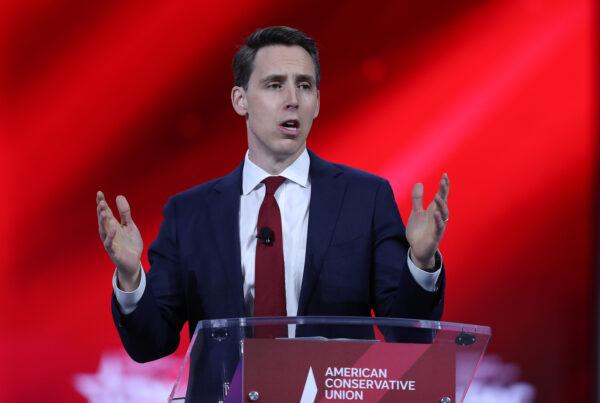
(128, 282)
(128, 300)
(428, 266)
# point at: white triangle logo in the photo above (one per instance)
(309, 393)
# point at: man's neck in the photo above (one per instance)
(272, 164)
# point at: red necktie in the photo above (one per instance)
(269, 285)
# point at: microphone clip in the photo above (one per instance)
(266, 236)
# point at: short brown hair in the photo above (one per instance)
(243, 61)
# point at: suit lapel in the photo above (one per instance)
(327, 194)
(224, 209)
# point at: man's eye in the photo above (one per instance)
(305, 86)
(274, 86)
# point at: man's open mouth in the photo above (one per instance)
(290, 125)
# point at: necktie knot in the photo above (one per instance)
(272, 183)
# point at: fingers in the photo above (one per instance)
(108, 226)
(440, 224)
(442, 208)
(417, 197)
(444, 187)
(105, 221)
(441, 197)
(104, 214)
(111, 231)
(124, 210)
(99, 197)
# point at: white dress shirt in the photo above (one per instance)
(293, 198)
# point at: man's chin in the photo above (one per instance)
(290, 150)
(280, 149)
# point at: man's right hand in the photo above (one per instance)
(122, 241)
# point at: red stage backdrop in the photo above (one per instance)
(133, 98)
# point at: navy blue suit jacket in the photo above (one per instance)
(355, 260)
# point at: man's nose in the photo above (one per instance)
(291, 101)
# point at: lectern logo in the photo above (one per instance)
(310, 388)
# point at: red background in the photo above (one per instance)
(133, 98)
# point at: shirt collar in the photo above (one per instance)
(297, 172)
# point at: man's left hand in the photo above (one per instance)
(425, 228)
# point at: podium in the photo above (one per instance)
(329, 359)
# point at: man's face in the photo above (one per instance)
(280, 102)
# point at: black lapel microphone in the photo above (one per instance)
(266, 236)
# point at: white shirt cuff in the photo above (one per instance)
(427, 280)
(128, 300)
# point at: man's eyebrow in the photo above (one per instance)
(282, 77)
(305, 77)
(273, 77)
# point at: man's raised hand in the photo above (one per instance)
(122, 241)
(425, 228)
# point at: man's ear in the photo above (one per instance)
(238, 100)
(318, 104)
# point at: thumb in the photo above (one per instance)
(417, 197)
(124, 210)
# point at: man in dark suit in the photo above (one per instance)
(333, 242)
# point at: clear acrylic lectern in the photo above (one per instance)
(329, 359)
